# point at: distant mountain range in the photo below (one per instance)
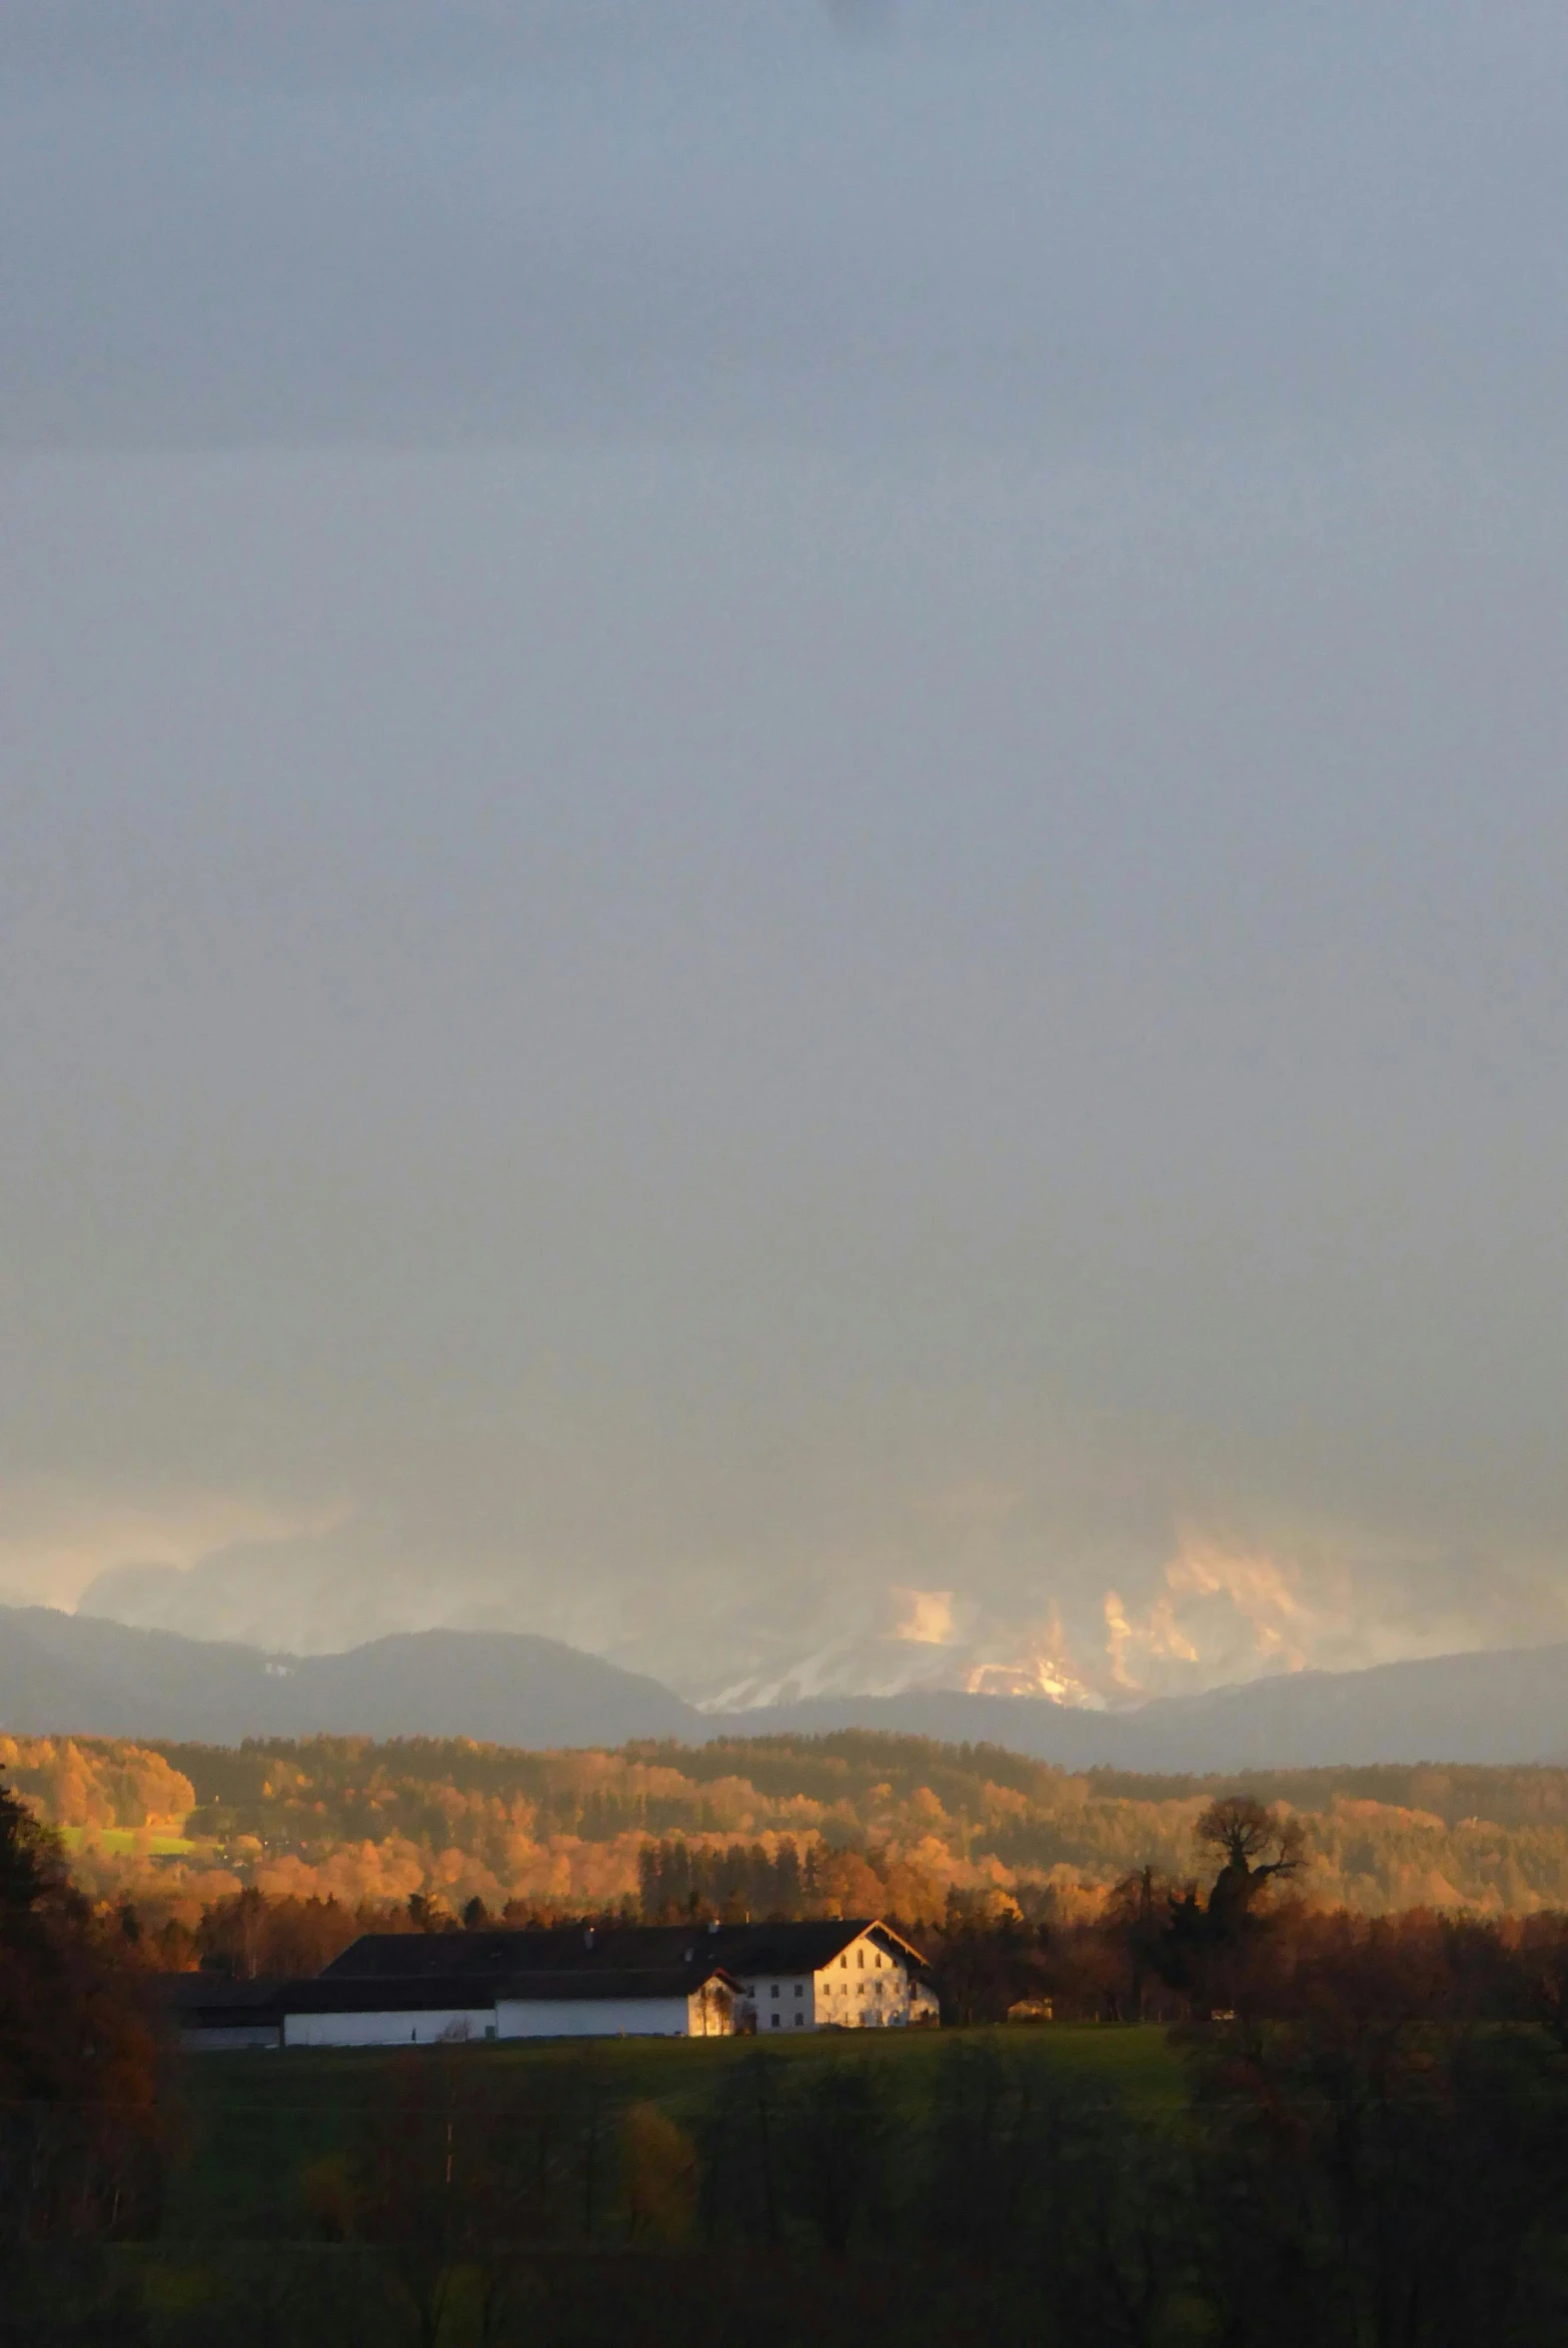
(83, 1674)
(1509, 1706)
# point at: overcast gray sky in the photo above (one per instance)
(783, 829)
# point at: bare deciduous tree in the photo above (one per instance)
(1259, 1847)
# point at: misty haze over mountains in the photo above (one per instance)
(320, 1594)
(1222, 1616)
(63, 1675)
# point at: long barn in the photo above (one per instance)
(854, 1975)
(666, 1981)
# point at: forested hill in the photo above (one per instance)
(855, 1820)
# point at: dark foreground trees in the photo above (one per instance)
(1321, 2184)
(1385, 2183)
(81, 2117)
(975, 2195)
(1337, 2181)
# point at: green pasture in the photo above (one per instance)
(253, 2124)
(125, 1842)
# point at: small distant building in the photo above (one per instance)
(636, 1980)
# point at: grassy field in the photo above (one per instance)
(1044, 2187)
(123, 1842)
(256, 2124)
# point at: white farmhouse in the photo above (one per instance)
(850, 1976)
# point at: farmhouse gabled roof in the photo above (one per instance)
(801, 1948)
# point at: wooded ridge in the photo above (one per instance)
(855, 1823)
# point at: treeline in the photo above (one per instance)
(102, 1784)
(178, 1827)
(674, 1881)
(1450, 1794)
(1235, 1939)
(84, 2115)
(739, 1882)
(250, 1935)
(1249, 1948)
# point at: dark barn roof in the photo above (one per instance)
(485, 1956)
(207, 2001)
(193, 1992)
(477, 1993)
(422, 1994)
(401, 1956)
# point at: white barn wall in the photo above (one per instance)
(389, 2029)
(594, 2017)
(793, 2012)
(845, 1995)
